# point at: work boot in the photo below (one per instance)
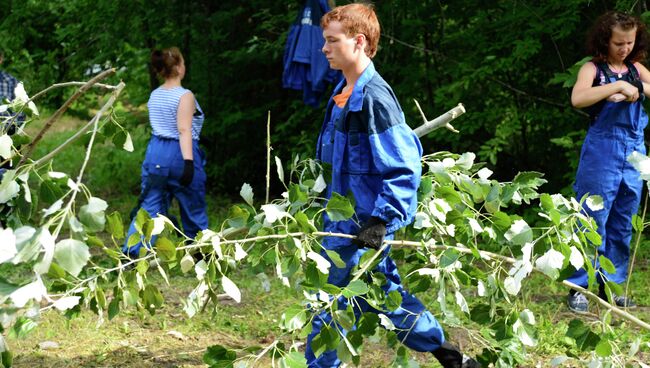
(450, 357)
(577, 302)
(618, 300)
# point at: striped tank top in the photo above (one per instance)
(163, 108)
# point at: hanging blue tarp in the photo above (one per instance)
(305, 66)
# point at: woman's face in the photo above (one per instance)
(620, 44)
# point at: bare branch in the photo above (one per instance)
(57, 114)
(70, 84)
(439, 122)
(83, 130)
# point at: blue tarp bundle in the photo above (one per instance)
(305, 65)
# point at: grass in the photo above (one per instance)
(171, 339)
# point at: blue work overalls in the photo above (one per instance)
(604, 170)
(377, 157)
(162, 168)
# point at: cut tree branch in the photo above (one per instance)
(57, 114)
(439, 122)
(80, 132)
(484, 254)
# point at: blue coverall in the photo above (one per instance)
(377, 157)
(162, 168)
(305, 65)
(604, 170)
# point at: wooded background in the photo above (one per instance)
(508, 61)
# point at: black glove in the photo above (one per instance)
(188, 173)
(450, 356)
(371, 234)
(639, 85)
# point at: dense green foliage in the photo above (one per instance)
(516, 97)
(497, 57)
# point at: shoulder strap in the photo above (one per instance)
(605, 70)
(634, 73)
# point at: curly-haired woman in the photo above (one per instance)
(611, 88)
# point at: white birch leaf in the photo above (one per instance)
(231, 289)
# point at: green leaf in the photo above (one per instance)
(294, 317)
(604, 348)
(448, 257)
(55, 272)
(246, 192)
(339, 208)
(113, 308)
(606, 264)
(165, 249)
(217, 356)
(115, 225)
(72, 255)
(237, 217)
(546, 202)
(7, 359)
(355, 288)
(394, 300)
(519, 233)
(529, 179)
(637, 223)
(140, 219)
(152, 298)
(335, 258)
(593, 237)
(294, 359)
(21, 328)
(304, 223)
(345, 319)
(584, 338)
(296, 196)
(92, 214)
(368, 323)
(119, 139)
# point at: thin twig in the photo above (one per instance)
(414, 47)
(57, 114)
(268, 156)
(541, 99)
(83, 130)
(636, 246)
(69, 84)
(87, 157)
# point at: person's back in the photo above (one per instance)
(173, 163)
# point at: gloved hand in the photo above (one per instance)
(188, 173)
(450, 356)
(371, 234)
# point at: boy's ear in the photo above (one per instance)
(361, 40)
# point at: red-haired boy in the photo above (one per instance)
(377, 157)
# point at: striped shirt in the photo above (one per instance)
(163, 108)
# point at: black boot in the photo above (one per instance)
(450, 357)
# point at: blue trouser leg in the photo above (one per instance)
(618, 183)
(619, 231)
(161, 170)
(415, 326)
(191, 201)
(155, 201)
